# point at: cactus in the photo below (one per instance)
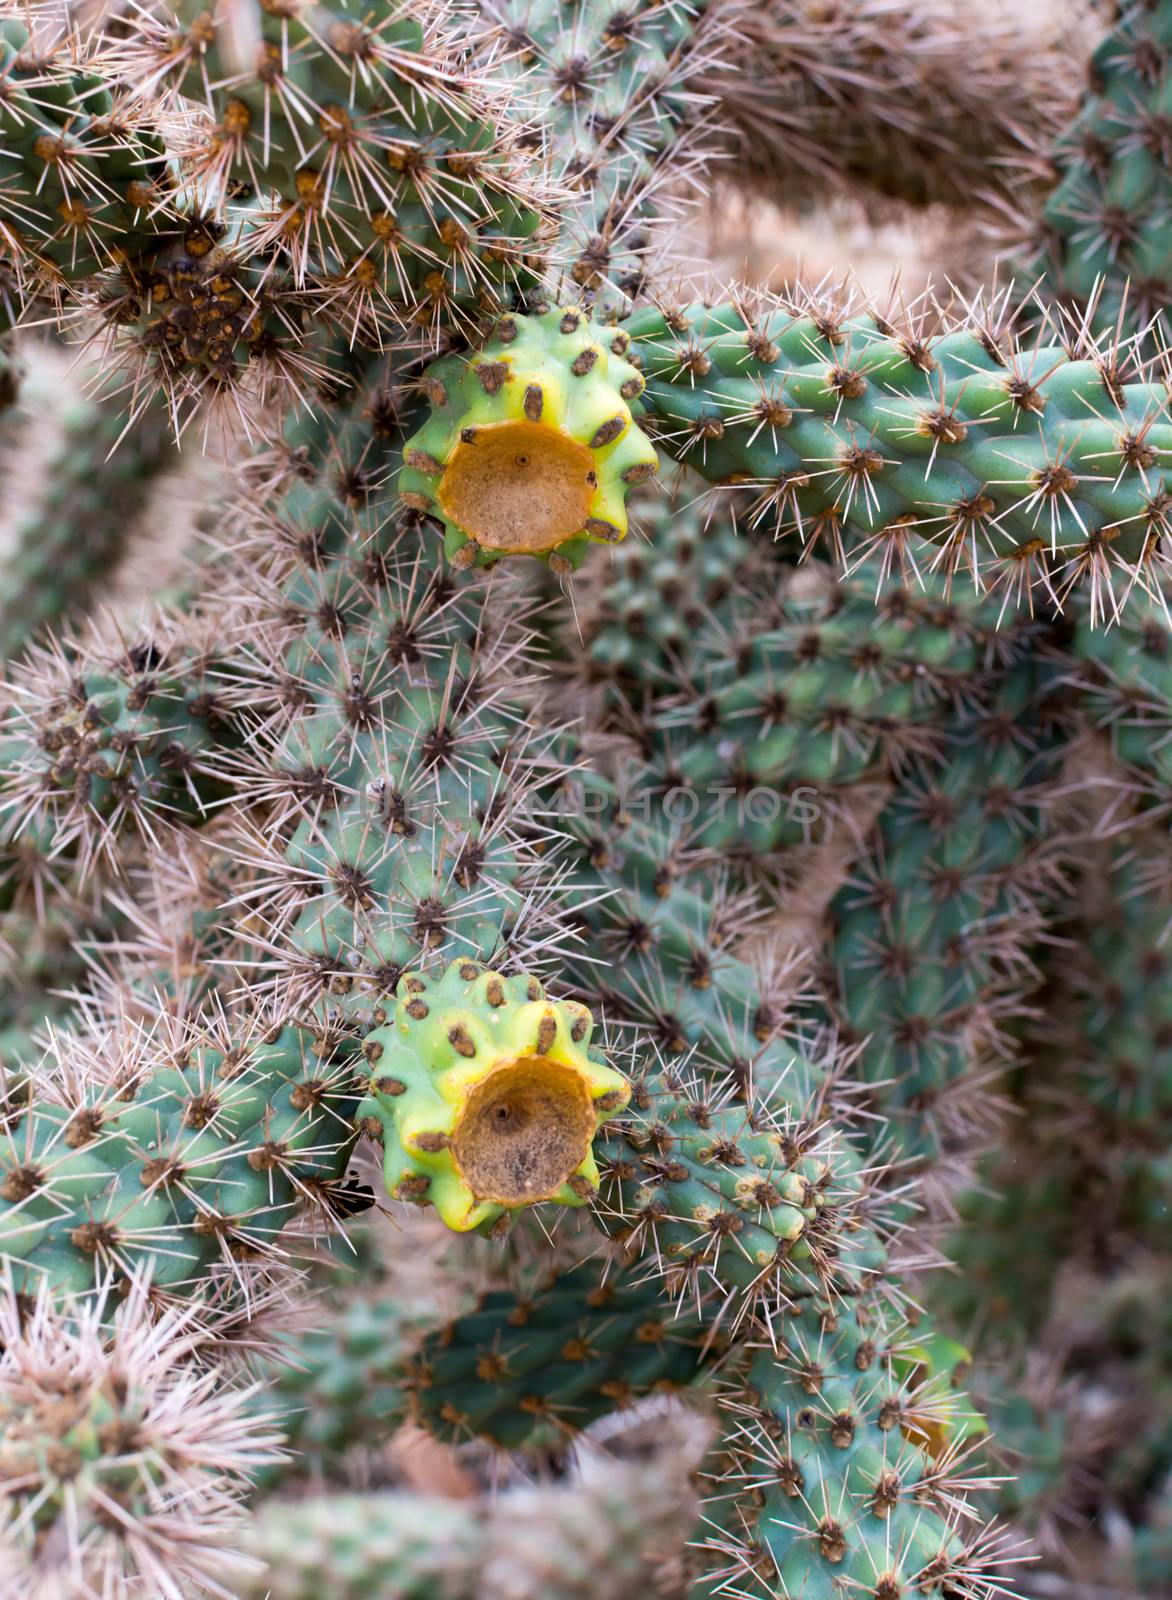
(376, 849)
(553, 1356)
(624, 112)
(542, 1541)
(930, 956)
(835, 1444)
(87, 170)
(342, 1382)
(398, 200)
(1026, 467)
(899, 103)
(375, 140)
(124, 1465)
(1100, 240)
(109, 741)
(652, 595)
(91, 483)
(178, 1163)
(1126, 679)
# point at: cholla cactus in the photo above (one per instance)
(124, 1461)
(661, 932)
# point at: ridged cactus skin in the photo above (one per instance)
(84, 177)
(1123, 1054)
(487, 1095)
(109, 1432)
(647, 604)
(759, 1207)
(531, 446)
(834, 1447)
(552, 1357)
(111, 741)
(784, 714)
(342, 1385)
(394, 185)
(358, 1547)
(42, 958)
(930, 934)
(173, 177)
(624, 111)
(657, 910)
(1126, 676)
(858, 435)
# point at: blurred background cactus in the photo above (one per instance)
(585, 774)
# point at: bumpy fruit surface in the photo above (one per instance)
(487, 1096)
(531, 445)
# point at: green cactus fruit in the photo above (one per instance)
(532, 443)
(487, 1095)
(555, 1356)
